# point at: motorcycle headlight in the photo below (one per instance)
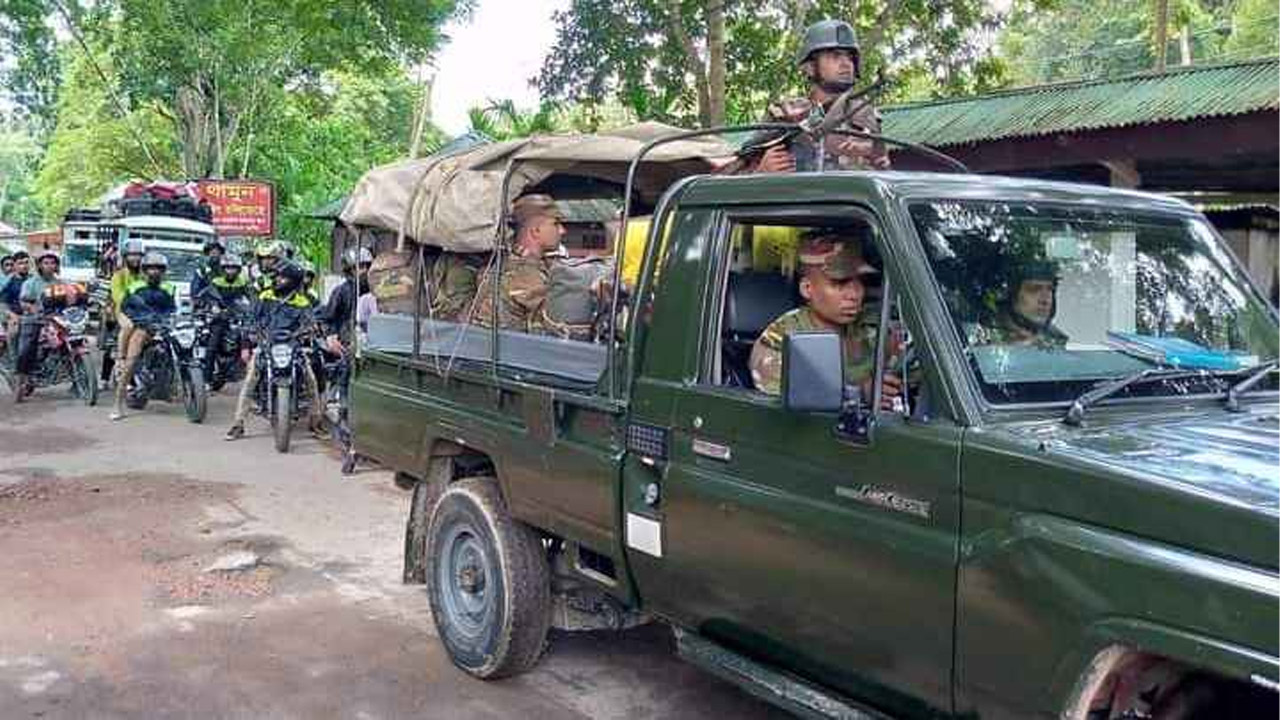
(281, 356)
(186, 337)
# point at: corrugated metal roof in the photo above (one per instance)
(1177, 95)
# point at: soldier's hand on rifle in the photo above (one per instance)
(776, 159)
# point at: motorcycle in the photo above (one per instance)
(282, 392)
(63, 355)
(223, 359)
(170, 367)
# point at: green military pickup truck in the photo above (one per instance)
(1072, 509)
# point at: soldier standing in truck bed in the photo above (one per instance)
(831, 61)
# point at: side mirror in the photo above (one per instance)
(812, 372)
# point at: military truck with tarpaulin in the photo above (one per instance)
(1085, 527)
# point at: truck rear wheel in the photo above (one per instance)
(487, 581)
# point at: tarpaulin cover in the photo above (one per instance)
(454, 202)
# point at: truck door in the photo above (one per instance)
(770, 531)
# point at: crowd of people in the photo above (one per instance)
(278, 293)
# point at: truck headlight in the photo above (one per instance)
(281, 356)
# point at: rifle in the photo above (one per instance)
(821, 121)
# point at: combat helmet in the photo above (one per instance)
(828, 35)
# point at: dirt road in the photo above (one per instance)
(152, 570)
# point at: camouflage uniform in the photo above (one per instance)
(1005, 330)
(454, 277)
(523, 290)
(862, 157)
(838, 259)
(858, 340)
(525, 285)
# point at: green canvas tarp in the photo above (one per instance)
(454, 202)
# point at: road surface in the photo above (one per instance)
(152, 570)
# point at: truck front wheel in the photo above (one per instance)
(487, 581)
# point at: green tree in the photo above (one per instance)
(1254, 30)
(19, 158)
(502, 120)
(320, 139)
(218, 66)
(93, 147)
(216, 69)
(660, 57)
(1073, 39)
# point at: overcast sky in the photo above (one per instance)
(492, 57)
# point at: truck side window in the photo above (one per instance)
(781, 276)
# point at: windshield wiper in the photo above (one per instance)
(1075, 413)
(1257, 374)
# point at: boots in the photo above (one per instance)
(235, 432)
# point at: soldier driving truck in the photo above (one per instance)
(1021, 531)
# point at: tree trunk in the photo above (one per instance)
(693, 61)
(1184, 44)
(1162, 33)
(715, 61)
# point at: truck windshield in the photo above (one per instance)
(1051, 300)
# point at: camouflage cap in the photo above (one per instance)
(837, 257)
(528, 207)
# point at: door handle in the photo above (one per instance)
(715, 451)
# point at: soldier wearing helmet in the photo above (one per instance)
(1025, 313)
(283, 307)
(833, 277)
(830, 59)
(150, 301)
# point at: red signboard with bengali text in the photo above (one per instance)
(241, 207)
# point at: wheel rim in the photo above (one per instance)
(465, 582)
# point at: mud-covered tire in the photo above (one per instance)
(487, 581)
(282, 420)
(84, 380)
(196, 397)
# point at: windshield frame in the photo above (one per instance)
(973, 385)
